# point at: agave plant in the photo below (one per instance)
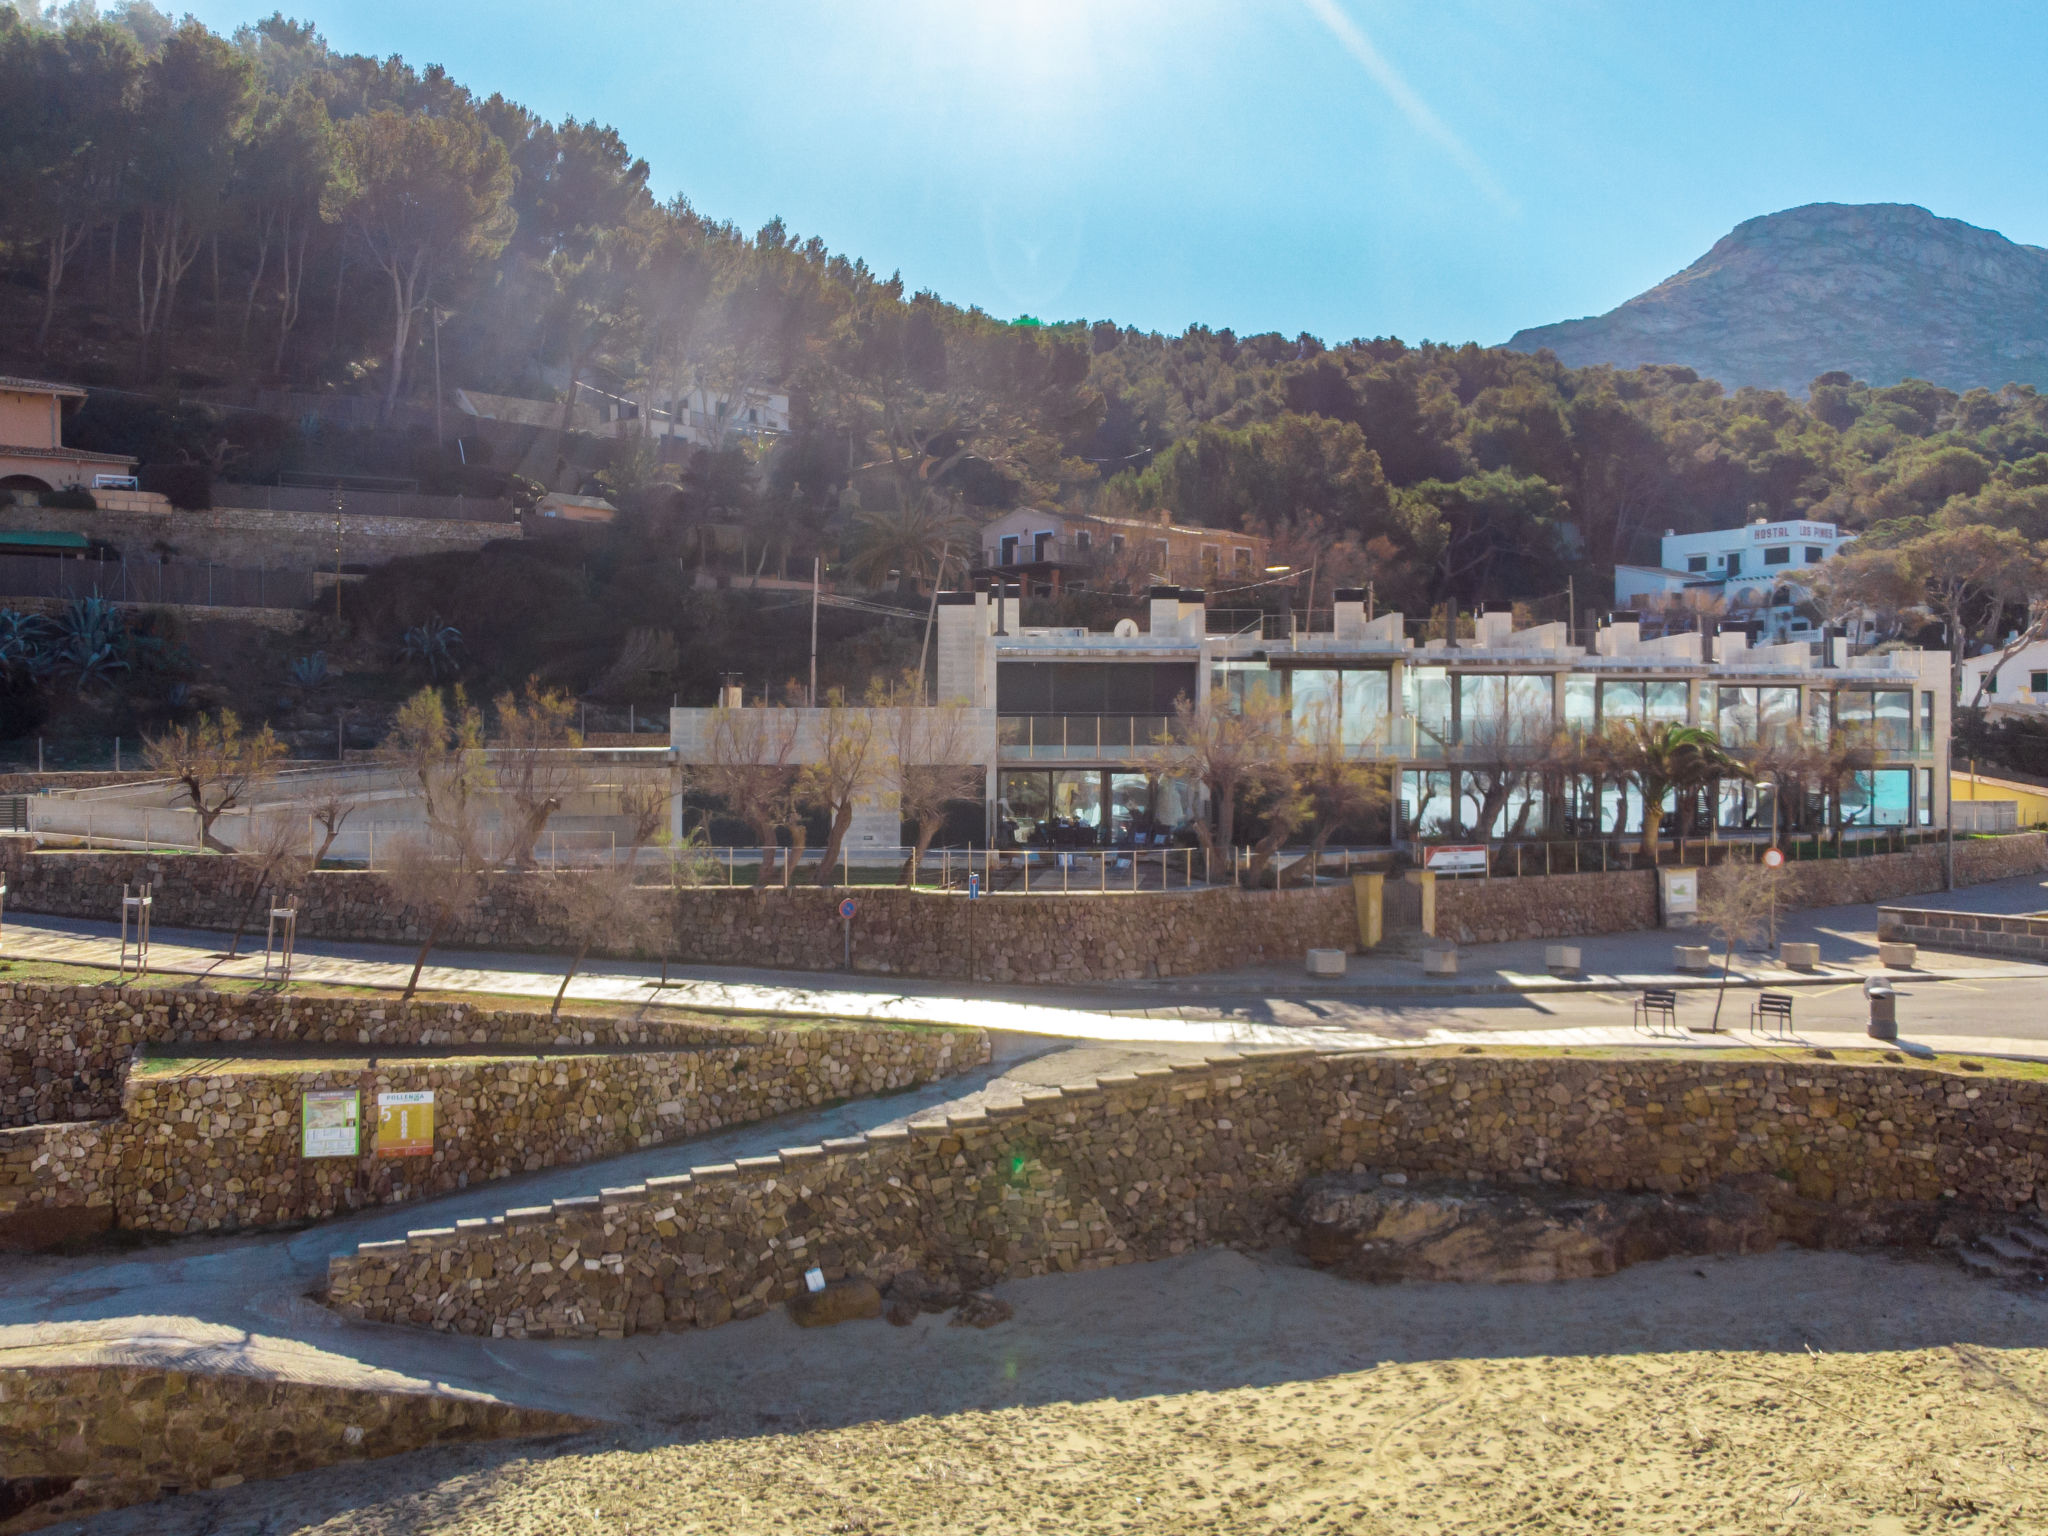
(92, 643)
(432, 645)
(312, 671)
(24, 644)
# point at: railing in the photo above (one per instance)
(1078, 737)
(191, 583)
(1283, 625)
(1607, 855)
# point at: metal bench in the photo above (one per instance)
(1774, 1008)
(1658, 1006)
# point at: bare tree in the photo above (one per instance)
(329, 810)
(601, 904)
(216, 764)
(537, 763)
(934, 752)
(751, 766)
(274, 855)
(1231, 752)
(1340, 790)
(849, 762)
(1735, 909)
(441, 751)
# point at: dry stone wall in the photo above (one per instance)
(1006, 937)
(77, 1439)
(1149, 1163)
(1967, 933)
(218, 1147)
(1472, 911)
(64, 1050)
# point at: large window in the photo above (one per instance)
(1879, 797)
(1883, 717)
(1354, 703)
(1747, 716)
(1092, 687)
(1426, 695)
(1086, 807)
(1426, 806)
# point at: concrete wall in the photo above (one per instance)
(75, 1439)
(1154, 1162)
(202, 1149)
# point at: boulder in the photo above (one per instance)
(840, 1303)
(979, 1309)
(913, 1292)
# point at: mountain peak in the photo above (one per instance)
(1883, 291)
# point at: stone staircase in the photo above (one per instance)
(2018, 1254)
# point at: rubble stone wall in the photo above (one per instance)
(1005, 937)
(81, 1438)
(1471, 911)
(1150, 1163)
(64, 1050)
(218, 1147)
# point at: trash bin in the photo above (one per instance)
(1884, 1010)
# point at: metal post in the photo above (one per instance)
(817, 569)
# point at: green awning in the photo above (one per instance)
(39, 538)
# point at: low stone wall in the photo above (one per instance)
(1571, 906)
(206, 1149)
(1150, 1163)
(77, 1439)
(1472, 911)
(253, 536)
(64, 1050)
(29, 783)
(1005, 937)
(1966, 933)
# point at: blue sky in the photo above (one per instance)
(1441, 169)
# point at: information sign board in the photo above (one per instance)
(405, 1124)
(330, 1122)
(1457, 859)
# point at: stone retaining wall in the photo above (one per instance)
(1966, 933)
(1572, 906)
(218, 1147)
(64, 1050)
(1006, 937)
(77, 1439)
(1150, 1163)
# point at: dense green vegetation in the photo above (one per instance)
(182, 210)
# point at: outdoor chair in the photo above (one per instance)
(1774, 1008)
(1657, 1007)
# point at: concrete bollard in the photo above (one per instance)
(1440, 960)
(1692, 957)
(1800, 957)
(1326, 962)
(1897, 957)
(1561, 959)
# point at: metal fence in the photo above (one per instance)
(192, 583)
(1577, 856)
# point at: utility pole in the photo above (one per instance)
(1571, 612)
(817, 567)
(439, 315)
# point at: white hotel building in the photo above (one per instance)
(1754, 568)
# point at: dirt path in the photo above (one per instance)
(1793, 1391)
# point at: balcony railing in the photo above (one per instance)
(1079, 738)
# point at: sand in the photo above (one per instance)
(1229, 1393)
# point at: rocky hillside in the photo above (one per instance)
(1885, 291)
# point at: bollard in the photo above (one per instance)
(1884, 1009)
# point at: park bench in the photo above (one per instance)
(1774, 1008)
(1658, 1006)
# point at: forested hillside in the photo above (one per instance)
(185, 212)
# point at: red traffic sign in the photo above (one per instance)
(848, 907)
(1773, 857)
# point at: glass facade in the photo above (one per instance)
(1088, 807)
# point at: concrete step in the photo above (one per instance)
(1990, 1265)
(2010, 1250)
(2030, 1233)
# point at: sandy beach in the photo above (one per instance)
(1223, 1392)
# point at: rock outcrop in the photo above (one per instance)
(1378, 1227)
(1883, 291)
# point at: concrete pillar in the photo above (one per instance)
(1369, 895)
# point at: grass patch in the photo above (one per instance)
(68, 974)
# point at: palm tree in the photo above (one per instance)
(1659, 758)
(909, 540)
